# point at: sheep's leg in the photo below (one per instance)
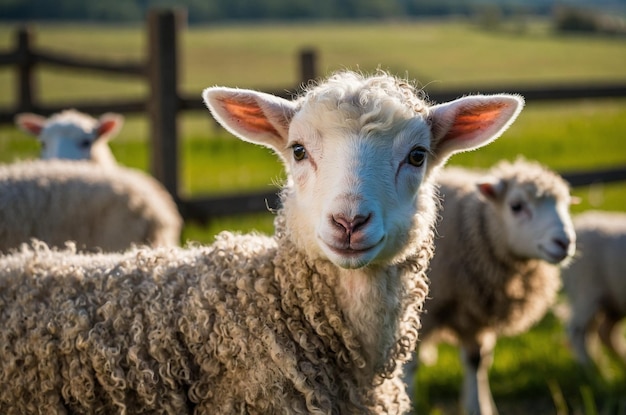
(577, 331)
(610, 337)
(578, 340)
(477, 356)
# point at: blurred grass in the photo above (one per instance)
(528, 374)
(530, 371)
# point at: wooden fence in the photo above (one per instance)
(164, 102)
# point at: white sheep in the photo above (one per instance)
(595, 284)
(495, 271)
(73, 135)
(316, 319)
(106, 208)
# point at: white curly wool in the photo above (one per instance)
(99, 208)
(595, 285)
(500, 240)
(316, 319)
(73, 135)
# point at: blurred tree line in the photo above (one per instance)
(200, 11)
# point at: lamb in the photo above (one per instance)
(495, 272)
(317, 318)
(73, 135)
(595, 285)
(96, 207)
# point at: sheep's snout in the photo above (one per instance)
(562, 242)
(350, 226)
(558, 247)
(352, 234)
(351, 238)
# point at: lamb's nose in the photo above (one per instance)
(351, 225)
(562, 243)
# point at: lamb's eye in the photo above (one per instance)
(299, 152)
(417, 156)
(517, 207)
(84, 144)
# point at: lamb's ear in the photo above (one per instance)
(108, 125)
(30, 123)
(471, 122)
(492, 188)
(250, 115)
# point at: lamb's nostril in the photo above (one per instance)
(350, 225)
(359, 221)
(561, 243)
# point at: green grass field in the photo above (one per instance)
(531, 372)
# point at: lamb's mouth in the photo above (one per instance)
(352, 252)
(553, 257)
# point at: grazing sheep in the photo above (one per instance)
(73, 135)
(315, 319)
(595, 282)
(97, 207)
(495, 270)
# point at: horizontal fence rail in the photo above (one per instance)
(159, 69)
(544, 92)
(586, 178)
(68, 61)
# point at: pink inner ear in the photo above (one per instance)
(487, 189)
(475, 118)
(106, 127)
(31, 125)
(251, 114)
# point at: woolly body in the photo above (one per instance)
(594, 282)
(255, 324)
(98, 208)
(211, 328)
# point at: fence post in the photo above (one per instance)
(308, 65)
(164, 102)
(25, 74)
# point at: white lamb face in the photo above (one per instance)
(66, 141)
(70, 134)
(354, 186)
(356, 151)
(538, 227)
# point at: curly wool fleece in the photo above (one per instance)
(237, 327)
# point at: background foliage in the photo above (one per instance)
(220, 10)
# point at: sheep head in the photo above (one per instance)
(530, 204)
(73, 135)
(358, 152)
